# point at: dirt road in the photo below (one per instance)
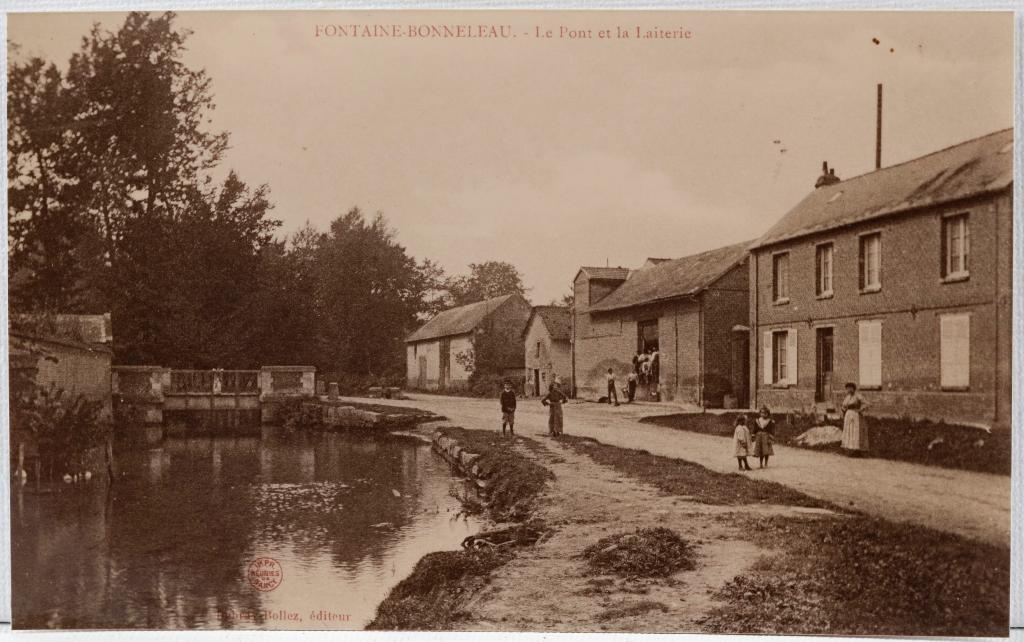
(974, 505)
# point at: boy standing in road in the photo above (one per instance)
(508, 409)
(612, 394)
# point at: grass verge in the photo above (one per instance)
(695, 482)
(847, 574)
(514, 481)
(865, 576)
(899, 439)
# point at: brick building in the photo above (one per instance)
(898, 280)
(546, 342)
(693, 311)
(437, 355)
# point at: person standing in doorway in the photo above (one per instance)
(613, 395)
(855, 433)
(508, 409)
(554, 401)
(645, 368)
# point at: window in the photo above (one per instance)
(955, 246)
(955, 351)
(537, 354)
(780, 277)
(780, 357)
(823, 270)
(870, 353)
(871, 262)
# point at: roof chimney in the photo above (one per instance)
(828, 176)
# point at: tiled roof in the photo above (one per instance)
(674, 279)
(971, 168)
(556, 319)
(613, 273)
(458, 320)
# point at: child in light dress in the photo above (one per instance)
(741, 442)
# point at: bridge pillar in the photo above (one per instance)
(138, 393)
(281, 383)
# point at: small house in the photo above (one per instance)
(547, 348)
(485, 336)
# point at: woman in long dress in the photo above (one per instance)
(855, 432)
(764, 436)
(554, 400)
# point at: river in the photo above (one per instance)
(170, 545)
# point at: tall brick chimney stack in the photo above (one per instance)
(828, 176)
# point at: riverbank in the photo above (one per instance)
(508, 485)
(766, 559)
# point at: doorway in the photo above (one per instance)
(536, 382)
(445, 363)
(421, 383)
(740, 371)
(824, 353)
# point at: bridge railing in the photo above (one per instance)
(213, 382)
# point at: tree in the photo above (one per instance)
(138, 139)
(112, 207)
(485, 281)
(369, 292)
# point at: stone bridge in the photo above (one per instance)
(236, 401)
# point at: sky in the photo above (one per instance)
(552, 153)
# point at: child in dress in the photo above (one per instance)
(764, 436)
(741, 442)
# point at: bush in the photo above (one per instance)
(648, 552)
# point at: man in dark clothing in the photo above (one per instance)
(613, 395)
(508, 408)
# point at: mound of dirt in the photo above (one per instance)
(648, 552)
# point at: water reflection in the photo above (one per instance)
(168, 547)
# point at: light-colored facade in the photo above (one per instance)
(547, 349)
(442, 354)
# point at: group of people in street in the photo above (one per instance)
(645, 372)
(554, 400)
(757, 439)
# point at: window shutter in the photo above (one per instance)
(967, 242)
(860, 264)
(955, 351)
(818, 254)
(870, 353)
(943, 247)
(766, 351)
(791, 357)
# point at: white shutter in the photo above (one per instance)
(870, 353)
(791, 357)
(955, 350)
(766, 350)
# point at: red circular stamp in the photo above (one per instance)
(265, 573)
